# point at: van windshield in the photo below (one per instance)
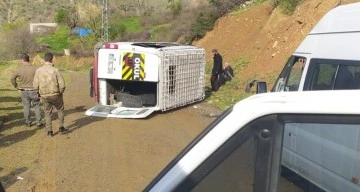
(327, 74)
(289, 79)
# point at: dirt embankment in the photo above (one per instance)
(264, 36)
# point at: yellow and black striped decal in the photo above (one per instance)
(133, 66)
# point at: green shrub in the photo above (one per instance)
(156, 19)
(119, 27)
(161, 33)
(61, 16)
(204, 22)
(176, 8)
(287, 6)
(116, 30)
(57, 41)
(132, 24)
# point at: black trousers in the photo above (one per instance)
(214, 80)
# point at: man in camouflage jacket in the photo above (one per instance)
(50, 85)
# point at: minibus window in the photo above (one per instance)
(289, 79)
(326, 74)
(323, 78)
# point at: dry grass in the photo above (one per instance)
(67, 62)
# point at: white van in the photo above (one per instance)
(241, 149)
(134, 79)
(327, 59)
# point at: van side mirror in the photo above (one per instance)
(261, 87)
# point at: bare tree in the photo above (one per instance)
(73, 18)
(90, 17)
(137, 7)
(15, 42)
(127, 7)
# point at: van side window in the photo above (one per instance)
(344, 78)
(295, 75)
(290, 77)
(326, 74)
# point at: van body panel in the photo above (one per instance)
(344, 18)
(332, 148)
(356, 164)
(289, 141)
(128, 65)
(103, 95)
(323, 178)
(332, 46)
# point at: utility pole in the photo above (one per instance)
(105, 21)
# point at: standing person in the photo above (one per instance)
(216, 71)
(25, 73)
(51, 85)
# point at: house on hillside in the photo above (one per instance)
(42, 27)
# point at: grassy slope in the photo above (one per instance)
(132, 24)
(57, 41)
(229, 93)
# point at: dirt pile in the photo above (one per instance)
(264, 36)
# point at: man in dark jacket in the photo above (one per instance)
(25, 74)
(216, 71)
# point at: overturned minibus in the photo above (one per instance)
(134, 79)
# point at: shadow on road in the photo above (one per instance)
(10, 99)
(17, 137)
(208, 92)
(78, 109)
(15, 119)
(11, 108)
(82, 122)
(8, 90)
(11, 178)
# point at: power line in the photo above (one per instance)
(105, 21)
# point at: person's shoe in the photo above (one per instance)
(28, 124)
(50, 133)
(39, 124)
(63, 130)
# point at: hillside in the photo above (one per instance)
(35, 10)
(44, 10)
(263, 37)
